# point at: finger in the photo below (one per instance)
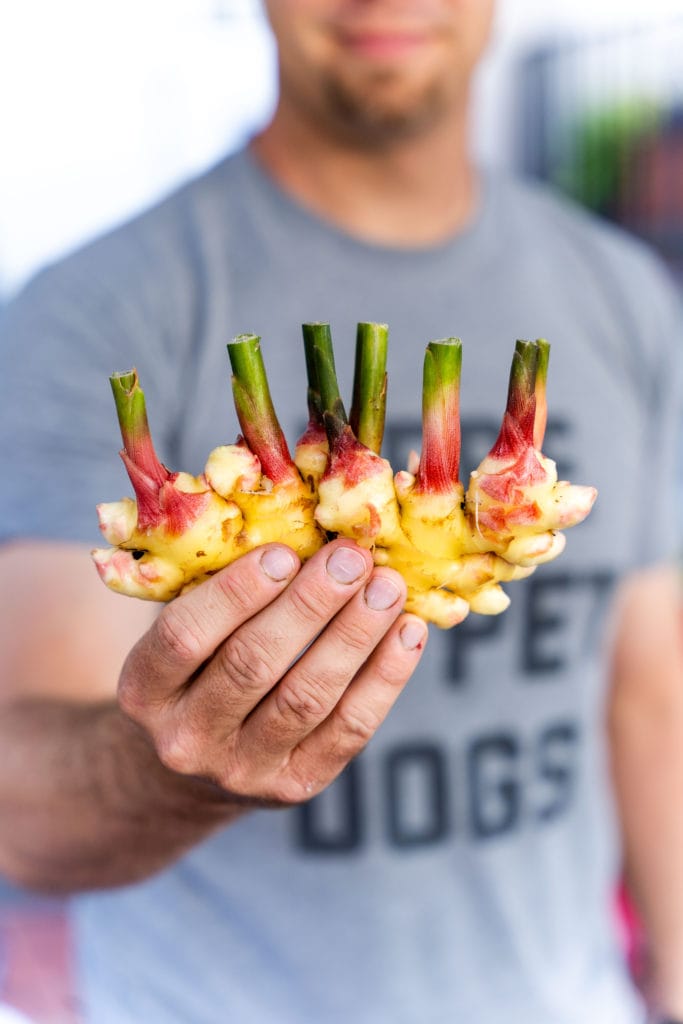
(188, 631)
(255, 657)
(312, 688)
(362, 709)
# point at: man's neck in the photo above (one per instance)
(413, 193)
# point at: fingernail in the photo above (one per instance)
(278, 563)
(413, 635)
(345, 565)
(381, 593)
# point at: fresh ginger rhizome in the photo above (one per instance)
(454, 547)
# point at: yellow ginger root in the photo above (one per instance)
(176, 534)
(183, 528)
(454, 549)
(440, 556)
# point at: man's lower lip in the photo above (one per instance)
(385, 45)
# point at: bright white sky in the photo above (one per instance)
(103, 107)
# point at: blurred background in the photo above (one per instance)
(105, 108)
(102, 109)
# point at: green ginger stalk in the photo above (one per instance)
(282, 508)
(355, 494)
(369, 400)
(312, 450)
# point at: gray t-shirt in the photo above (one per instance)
(463, 867)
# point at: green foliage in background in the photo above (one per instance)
(603, 142)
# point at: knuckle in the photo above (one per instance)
(235, 777)
(389, 671)
(130, 696)
(301, 702)
(353, 634)
(239, 590)
(245, 785)
(246, 661)
(179, 751)
(357, 725)
(177, 636)
(234, 780)
(309, 603)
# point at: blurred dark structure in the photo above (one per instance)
(602, 119)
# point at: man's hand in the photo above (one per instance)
(265, 680)
(268, 678)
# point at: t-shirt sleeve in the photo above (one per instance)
(102, 310)
(661, 385)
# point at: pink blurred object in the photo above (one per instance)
(633, 937)
(37, 976)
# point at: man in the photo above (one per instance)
(462, 868)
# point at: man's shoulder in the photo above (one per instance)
(543, 216)
(141, 280)
(201, 202)
(163, 242)
(609, 278)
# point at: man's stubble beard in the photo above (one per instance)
(368, 116)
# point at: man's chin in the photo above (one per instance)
(384, 112)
